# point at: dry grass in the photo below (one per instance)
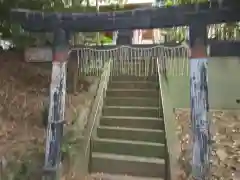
(23, 87)
(225, 147)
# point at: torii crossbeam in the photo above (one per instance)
(147, 18)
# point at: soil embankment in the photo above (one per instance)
(23, 89)
(225, 154)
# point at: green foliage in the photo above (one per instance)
(21, 38)
(6, 27)
(227, 32)
(25, 166)
(71, 145)
(79, 8)
(106, 39)
(169, 3)
(176, 2)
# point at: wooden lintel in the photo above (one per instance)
(227, 48)
(147, 18)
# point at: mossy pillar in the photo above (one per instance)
(199, 100)
(56, 106)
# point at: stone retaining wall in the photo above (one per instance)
(225, 130)
(75, 163)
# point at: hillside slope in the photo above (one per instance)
(23, 89)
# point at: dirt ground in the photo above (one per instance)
(23, 89)
(225, 154)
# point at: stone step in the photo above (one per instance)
(134, 78)
(132, 122)
(125, 147)
(132, 85)
(105, 176)
(132, 93)
(132, 101)
(133, 134)
(127, 165)
(131, 111)
(138, 72)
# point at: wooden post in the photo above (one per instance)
(72, 72)
(199, 101)
(56, 106)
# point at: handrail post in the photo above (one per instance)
(56, 106)
(199, 101)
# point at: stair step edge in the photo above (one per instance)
(121, 177)
(137, 98)
(143, 90)
(129, 142)
(133, 107)
(132, 117)
(130, 129)
(127, 158)
(133, 82)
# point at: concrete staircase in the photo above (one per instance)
(130, 138)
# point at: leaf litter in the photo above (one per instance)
(23, 89)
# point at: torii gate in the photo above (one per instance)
(197, 17)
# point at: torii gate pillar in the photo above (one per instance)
(199, 100)
(56, 105)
